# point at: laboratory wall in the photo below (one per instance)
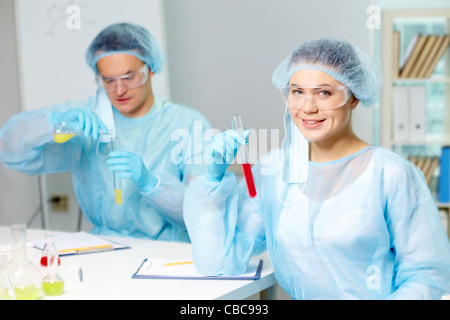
(19, 194)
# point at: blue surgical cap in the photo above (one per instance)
(347, 64)
(129, 39)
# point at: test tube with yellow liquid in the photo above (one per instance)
(110, 143)
(117, 186)
(62, 132)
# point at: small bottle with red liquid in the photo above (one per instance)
(48, 247)
(236, 122)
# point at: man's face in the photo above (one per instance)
(129, 100)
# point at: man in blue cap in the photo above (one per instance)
(126, 113)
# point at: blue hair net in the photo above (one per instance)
(345, 63)
(129, 39)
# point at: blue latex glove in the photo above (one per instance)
(131, 166)
(81, 120)
(221, 152)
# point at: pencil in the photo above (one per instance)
(106, 246)
(177, 263)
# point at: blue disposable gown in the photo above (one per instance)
(163, 137)
(362, 227)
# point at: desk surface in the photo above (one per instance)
(107, 275)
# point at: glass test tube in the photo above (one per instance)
(236, 122)
(117, 186)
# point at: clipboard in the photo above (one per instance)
(172, 269)
(79, 243)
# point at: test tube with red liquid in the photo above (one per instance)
(236, 122)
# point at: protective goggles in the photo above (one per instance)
(323, 97)
(130, 80)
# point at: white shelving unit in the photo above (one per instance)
(387, 28)
(391, 80)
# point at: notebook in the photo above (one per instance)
(79, 243)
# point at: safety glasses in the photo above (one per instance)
(130, 80)
(322, 97)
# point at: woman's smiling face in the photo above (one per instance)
(319, 125)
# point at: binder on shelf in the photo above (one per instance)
(433, 165)
(427, 67)
(421, 56)
(444, 178)
(424, 55)
(408, 52)
(396, 54)
(440, 52)
(427, 164)
(417, 111)
(400, 113)
(414, 49)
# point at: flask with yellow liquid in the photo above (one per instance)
(62, 132)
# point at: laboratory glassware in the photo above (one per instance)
(49, 246)
(6, 291)
(62, 132)
(236, 122)
(117, 185)
(103, 150)
(23, 276)
(52, 285)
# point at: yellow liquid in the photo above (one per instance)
(28, 293)
(4, 294)
(53, 288)
(118, 195)
(62, 137)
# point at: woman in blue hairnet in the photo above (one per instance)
(339, 218)
(152, 163)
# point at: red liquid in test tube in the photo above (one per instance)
(243, 154)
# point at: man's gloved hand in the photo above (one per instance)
(132, 167)
(81, 120)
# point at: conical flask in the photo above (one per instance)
(49, 246)
(23, 276)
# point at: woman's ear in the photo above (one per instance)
(354, 102)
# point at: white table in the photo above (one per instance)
(107, 275)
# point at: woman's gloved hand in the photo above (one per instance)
(131, 166)
(221, 152)
(81, 120)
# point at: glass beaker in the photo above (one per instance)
(49, 246)
(62, 132)
(23, 276)
(52, 285)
